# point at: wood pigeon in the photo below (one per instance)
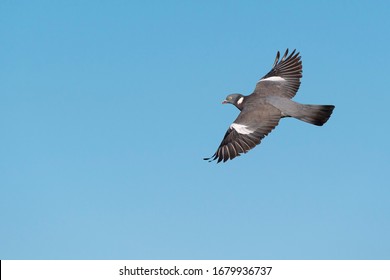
(262, 110)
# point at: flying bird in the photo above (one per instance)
(262, 110)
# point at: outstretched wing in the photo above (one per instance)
(283, 79)
(247, 131)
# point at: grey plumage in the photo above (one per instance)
(262, 110)
(314, 114)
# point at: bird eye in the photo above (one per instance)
(229, 98)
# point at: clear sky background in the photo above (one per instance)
(108, 107)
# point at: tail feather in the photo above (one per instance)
(315, 114)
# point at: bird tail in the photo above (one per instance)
(314, 114)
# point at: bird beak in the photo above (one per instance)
(224, 102)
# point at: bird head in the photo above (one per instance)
(235, 99)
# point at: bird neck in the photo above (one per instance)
(240, 102)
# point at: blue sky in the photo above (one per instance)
(108, 107)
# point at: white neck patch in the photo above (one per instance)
(240, 128)
(240, 100)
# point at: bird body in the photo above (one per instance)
(262, 110)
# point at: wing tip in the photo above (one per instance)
(276, 59)
(294, 54)
(210, 159)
